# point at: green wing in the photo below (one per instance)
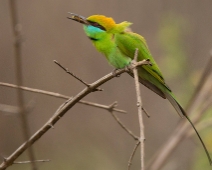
(150, 76)
(128, 42)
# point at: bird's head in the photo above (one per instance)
(98, 25)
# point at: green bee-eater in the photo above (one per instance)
(118, 44)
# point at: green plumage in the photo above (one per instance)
(118, 44)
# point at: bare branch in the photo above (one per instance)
(56, 117)
(48, 93)
(133, 154)
(139, 105)
(76, 77)
(145, 111)
(110, 109)
(17, 28)
(72, 74)
(27, 162)
(124, 127)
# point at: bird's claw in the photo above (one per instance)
(115, 74)
(135, 64)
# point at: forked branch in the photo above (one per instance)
(57, 116)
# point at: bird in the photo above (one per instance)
(118, 43)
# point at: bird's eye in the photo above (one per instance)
(95, 24)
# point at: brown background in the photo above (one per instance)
(179, 36)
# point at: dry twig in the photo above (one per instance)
(133, 154)
(76, 77)
(140, 110)
(17, 28)
(124, 127)
(57, 116)
(48, 93)
(28, 162)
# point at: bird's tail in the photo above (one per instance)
(182, 113)
(175, 104)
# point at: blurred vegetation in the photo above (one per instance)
(89, 138)
(174, 60)
(171, 40)
(200, 162)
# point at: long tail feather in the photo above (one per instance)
(175, 104)
(181, 112)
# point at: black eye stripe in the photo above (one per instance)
(95, 24)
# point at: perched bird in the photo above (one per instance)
(118, 44)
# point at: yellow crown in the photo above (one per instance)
(106, 22)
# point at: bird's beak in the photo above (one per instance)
(78, 18)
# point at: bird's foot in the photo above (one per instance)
(115, 74)
(135, 64)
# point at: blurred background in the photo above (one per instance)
(179, 35)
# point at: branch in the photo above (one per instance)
(133, 154)
(124, 127)
(48, 93)
(119, 121)
(140, 110)
(27, 162)
(76, 77)
(17, 28)
(57, 116)
(72, 74)
(145, 111)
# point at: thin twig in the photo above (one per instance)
(124, 127)
(48, 93)
(132, 155)
(56, 117)
(72, 74)
(101, 106)
(145, 111)
(17, 28)
(76, 77)
(27, 162)
(139, 105)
